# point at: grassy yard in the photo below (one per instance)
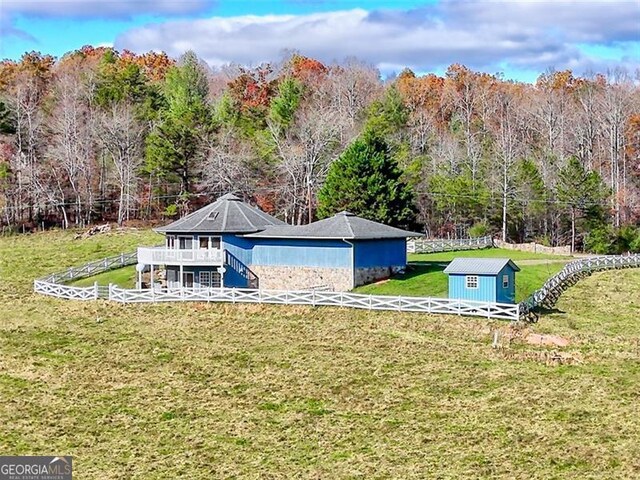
(425, 275)
(123, 277)
(199, 391)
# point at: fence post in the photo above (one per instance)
(95, 290)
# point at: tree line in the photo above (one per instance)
(105, 135)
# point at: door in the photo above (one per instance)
(187, 279)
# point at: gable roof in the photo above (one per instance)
(344, 225)
(228, 214)
(479, 266)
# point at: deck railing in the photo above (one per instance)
(420, 245)
(163, 255)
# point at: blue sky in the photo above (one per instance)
(519, 38)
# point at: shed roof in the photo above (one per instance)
(344, 225)
(479, 266)
(228, 214)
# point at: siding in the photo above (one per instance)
(486, 291)
(241, 248)
(506, 295)
(381, 253)
(298, 252)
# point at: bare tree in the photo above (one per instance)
(122, 137)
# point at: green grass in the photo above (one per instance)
(514, 255)
(123, 277)
(199, 391)
(425, 276)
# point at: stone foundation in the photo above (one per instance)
(372, 274)
(303, 278)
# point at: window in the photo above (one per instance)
(215, 242)
(204, 242)
(505, 281)
(471, 281)
(209, 279)
(171, 241)
(186, 243)
(205, 279)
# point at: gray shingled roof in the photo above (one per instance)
(479, 266)
(344, 225)
(228, 214)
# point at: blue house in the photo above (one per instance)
(482, 279)
(233, 244)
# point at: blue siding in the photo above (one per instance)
(241, 248)
(381, 253)
(486, 291)
(506, 295)
(304, 253)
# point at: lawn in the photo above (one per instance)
(200, 391)
(425, 277)
(123, 277)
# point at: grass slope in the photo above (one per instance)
(425, 277)
(200, 391)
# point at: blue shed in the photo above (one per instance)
(482, 279)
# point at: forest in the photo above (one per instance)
(101, 135)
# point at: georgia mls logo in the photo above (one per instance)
(35, 468)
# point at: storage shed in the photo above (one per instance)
(482, 279)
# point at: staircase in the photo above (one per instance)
(245, 272)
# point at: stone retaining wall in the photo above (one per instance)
(534, 247)
(303, 278)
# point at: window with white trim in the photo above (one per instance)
(210, 279)
(505, 281)
(471, 281)
(205, 279)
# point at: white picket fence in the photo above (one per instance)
(421, 245)
(547, 295)
(319, 298)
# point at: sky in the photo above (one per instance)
(519, 39)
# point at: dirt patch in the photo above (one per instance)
(546, 340)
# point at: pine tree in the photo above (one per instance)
(366, 181)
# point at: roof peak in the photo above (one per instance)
(230, 197)
(346, 213)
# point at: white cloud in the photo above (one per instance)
(527, 35)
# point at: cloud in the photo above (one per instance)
(102, 8)
(526, 35)
(89, 9)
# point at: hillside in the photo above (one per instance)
(217, 391)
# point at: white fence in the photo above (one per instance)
(548, 294)
(319, 298)
(52, 284)
(419, 245)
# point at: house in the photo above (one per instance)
(233, 244)
(482, 279)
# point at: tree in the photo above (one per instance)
(176, 145)
(367, 181)
(579, 191)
